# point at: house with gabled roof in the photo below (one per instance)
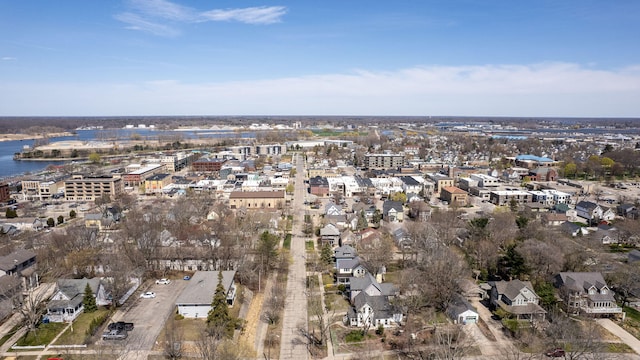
(461, 311)
(371, 286)
(330, 234)
(392, 211)
(332, 209)
(587, 292)
(66, 303)
(373, 311)
(346, 269)
(594, 213)
(344, 252)
(517, 298)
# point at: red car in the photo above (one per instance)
(555, 353)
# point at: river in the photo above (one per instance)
(10, 167)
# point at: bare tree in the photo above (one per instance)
(173, 340)
(322, 319)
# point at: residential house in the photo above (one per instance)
(402, 238)
(332, 209)
(369, 238)
(421, 211)
(392, 211)
(330, 234)
(22, 265)
(66, 303)
(371, 286)
(628, 211)
(372, 311)
(574, 229)
(347, 269)
(587, 292)
(517, 298)
(344, 252)
(195, 299)
(594, 213)
(554, 219)
(11, 290)
(461, 311)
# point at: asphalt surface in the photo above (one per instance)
(293, 344)
(148, 317)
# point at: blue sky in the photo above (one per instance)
(333, 57)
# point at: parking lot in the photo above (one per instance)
(149, 315)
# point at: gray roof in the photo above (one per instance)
(388, 205)
(358, 284)
(588, 205)
(634, 255)
(347, 263)
(582, 281)
(458, 306)
(10, 261)
(408, 180)
(202, 287)
(512, 288)
(73, 287)
(382, 309)
(344, 251)
(329, 230)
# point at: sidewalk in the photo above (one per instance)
(616, 330)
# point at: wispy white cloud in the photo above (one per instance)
(136, 22)
(162, 17)
(8, 58)
(548, 89)
(252, 15)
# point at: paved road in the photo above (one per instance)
(293, 344)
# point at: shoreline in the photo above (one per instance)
(21, 137)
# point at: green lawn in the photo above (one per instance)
(309, 245)
(42, 335)
(287, 242)
(632, 313)
(80, 328)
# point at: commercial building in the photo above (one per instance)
(89, 188)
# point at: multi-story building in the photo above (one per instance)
(504, 197)
(89, 188)
(154, 184)
(208, 165)
(137, 177)
(454, 195)
(383, 161)
(271, 149)
(178, 161)
(5, 194)
(40, 190)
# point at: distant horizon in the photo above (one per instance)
(574, 58)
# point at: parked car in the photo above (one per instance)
(163, 281)
(555, 353)
(114, 335)
(121, 326)
(148, 295)
(186, 277)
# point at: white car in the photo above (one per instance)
(148, 295)
(163, 281)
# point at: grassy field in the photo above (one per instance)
(77, 334)
(309, 245)
(43, 335)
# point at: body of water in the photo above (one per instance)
(10, 167)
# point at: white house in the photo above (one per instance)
(372, 311)
(195, 300)
(66, 304)
(461, 311)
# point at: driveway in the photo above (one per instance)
(489, 347)
(148, 316)
(616, 330)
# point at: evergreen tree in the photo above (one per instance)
(218, 316)
(89, 301)
(362, 221)
(377, 217)
(325, 254)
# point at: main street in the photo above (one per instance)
(293, 343)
